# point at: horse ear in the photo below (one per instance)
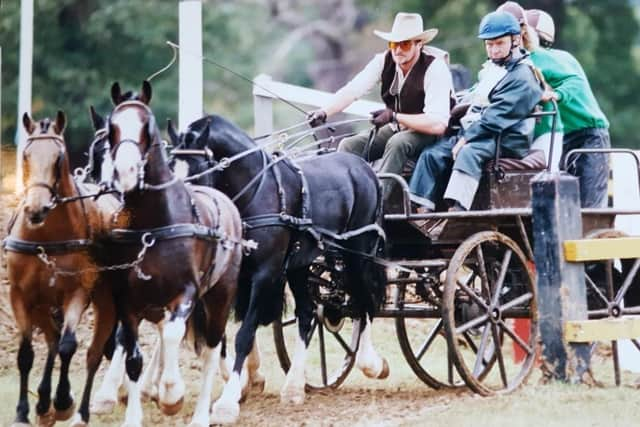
(146, 92)
(96, 119)
(28, 124)
(116, 93)
(173, 135)
(61, 122)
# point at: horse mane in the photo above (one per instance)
(221, 129)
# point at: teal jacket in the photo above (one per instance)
(511, 101)
(577, 104)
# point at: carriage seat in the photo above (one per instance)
(510, 188)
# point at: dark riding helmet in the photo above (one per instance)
(498, 24)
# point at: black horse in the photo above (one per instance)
(290, 209)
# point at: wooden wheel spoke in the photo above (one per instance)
(506, 260)
(467, 290)
(323, 356)
(427, 342)
(627, 281)
(515, 337)
(596, 289)
(450, 368)
(516, 301)
(480, 361)
(289, 322)
(484, 277)
(343, 343)
(498, 350)
(472, 324)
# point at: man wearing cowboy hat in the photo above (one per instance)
(416, 87)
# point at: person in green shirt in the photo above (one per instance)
(542, 133)
(584, 123)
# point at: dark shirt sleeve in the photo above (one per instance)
(511, 101)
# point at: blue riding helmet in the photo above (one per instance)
(498, 24)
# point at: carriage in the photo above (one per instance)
(463, 297)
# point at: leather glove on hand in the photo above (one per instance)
(316, 118)
(382, 117)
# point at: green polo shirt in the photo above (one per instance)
(576, 102)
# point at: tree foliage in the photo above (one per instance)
(82, 46)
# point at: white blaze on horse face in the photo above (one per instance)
(181, 169)
(40, 164)
(128, 158)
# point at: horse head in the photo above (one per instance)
(100, 164)
(132, 136)
(44, 165)
(191, 154)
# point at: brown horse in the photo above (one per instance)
(51, 272)
(187, 278)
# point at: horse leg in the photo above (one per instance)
(293, 388)
(226, 364)
(151, 374)
(367, 358)
(106, 397)
(226, 409)
(216, 304)
(25, 355)
(368, 281)
(63, 400)
(255, 379)
(133, 366)
(45, 414)
(171, 387)
(105, 320)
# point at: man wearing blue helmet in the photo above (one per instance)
(505, 94)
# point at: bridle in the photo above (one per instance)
(156, 142)
(53, 189)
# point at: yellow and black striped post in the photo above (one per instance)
(561, 291)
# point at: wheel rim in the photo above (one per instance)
(333, 344)
(489, 286)
(609, 283)
(423, 342)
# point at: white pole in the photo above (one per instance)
(190, 96)
(24, 85)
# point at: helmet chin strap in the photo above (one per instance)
(502, 61)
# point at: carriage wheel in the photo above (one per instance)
(613, 291)
(422, 340)
(488, 287)
(334, 338)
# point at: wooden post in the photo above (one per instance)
(561, 284)
(262, 107)
(24, 81)
(190, 96)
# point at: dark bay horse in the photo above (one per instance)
(51, 271)
(191, 240)
(284, 206)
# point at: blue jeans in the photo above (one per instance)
(591, 169)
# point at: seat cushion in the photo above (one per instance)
(534, 161)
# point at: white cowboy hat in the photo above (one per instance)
(407, 26)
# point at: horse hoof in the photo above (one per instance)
(257, 386)
(385, 370)
(65, 414)
(149, 396)
(77, 421)
(224, 414)
(102, 407)
(290, 398)
(47, 419)
(171, 409)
